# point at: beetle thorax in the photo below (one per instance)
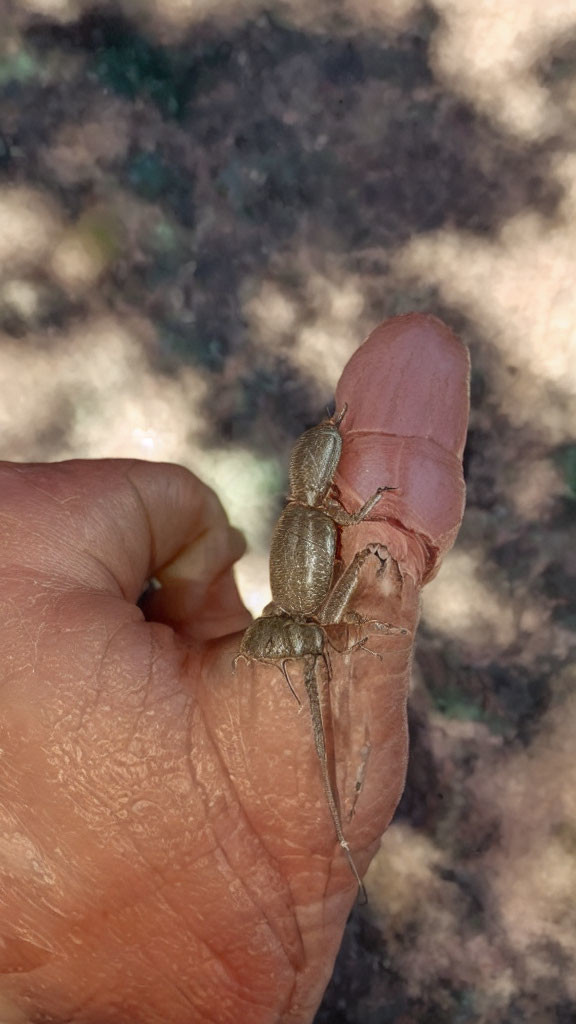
(279, 637)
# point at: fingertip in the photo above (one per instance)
(198, 595)
(208, 555)
(199, 612)
(407, 388)
(410, 378)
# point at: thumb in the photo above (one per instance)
(395, 433)
(406, 389)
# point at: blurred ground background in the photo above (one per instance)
(205, 205)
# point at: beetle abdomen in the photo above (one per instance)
(302, 559)
(314, 460)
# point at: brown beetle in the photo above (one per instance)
(276, 639)
(304, 596)
(304, 542)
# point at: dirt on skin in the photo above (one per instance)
(203, 210)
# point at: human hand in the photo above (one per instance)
(166, 852)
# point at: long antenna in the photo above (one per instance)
(320, 744)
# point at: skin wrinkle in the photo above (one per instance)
(356, 432)
(361, 772)
(372, 814)
(91, 557)
(402, 647)
(23, 628)
(9, 523)
(80, 1008)
(212, 1020)
(152, 554)
(42, 536)
(25, 472)
(94, 787)
(267, 801)
(271, 859)
(18, 614)
(142, 900)
(173, 982)
(181, 991)
(336, 851)
(328, 876)
(149, 556)
(156, 652)
(135, 900)
(144, 688)
(177, 912)
(98, 681)
(29, 911)
(61, 585)
(217, 957)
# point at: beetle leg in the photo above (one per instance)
(354, 619)
(334, 607)
(338, 417)
(339, 567)
(344, 518)
(355, 646)
(382, 554)
(394, 574)
(284, 672)
(327, 663)
(388, 566)
(361, 644)
(387, 628)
